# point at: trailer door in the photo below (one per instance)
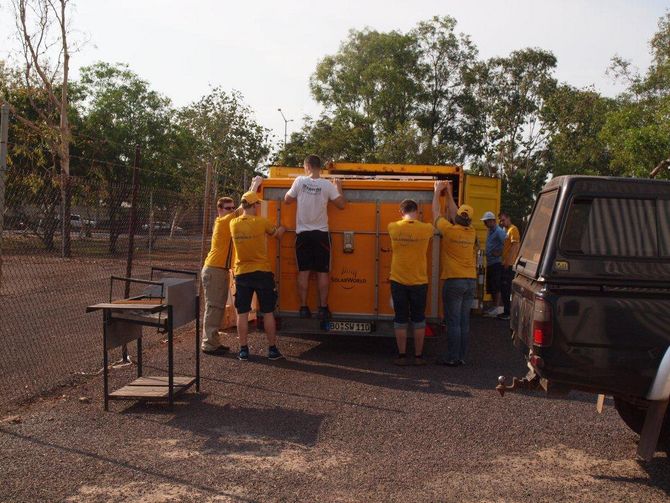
(483, 194)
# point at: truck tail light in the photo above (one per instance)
(542, 330)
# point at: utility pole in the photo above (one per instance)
(286, 121)
(4, 128)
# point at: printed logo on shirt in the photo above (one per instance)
(312, 191)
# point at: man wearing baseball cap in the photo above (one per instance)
(495, 242)
(215, 274)
(458, 269)
(253, 273)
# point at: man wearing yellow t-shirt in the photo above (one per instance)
(409, 278)
(253, 273)
(458, 270)
(510, 251)
(215, 274)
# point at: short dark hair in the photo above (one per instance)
(313, 161)
(408, 206)
(223, 200)
(503, 213)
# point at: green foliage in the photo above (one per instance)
(575, 119)
(637, 133)
(638, 136)
(222, 130)
(120, 111)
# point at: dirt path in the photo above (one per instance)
(334, 422)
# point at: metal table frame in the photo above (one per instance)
(140, 311)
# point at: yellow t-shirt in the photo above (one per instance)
(513, 236)
(249, 239)
(221, 251)
(409, 242)
(457, 253)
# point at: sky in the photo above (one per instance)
(267, 50)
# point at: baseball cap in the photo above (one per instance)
(465, 209)
(489, 215)
(251, 197)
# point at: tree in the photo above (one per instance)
(511, 93)
(43, 29)
(444, 111)
(121, 111)
(371, 85)
(637, 133)
(575, 119)
(223, 131)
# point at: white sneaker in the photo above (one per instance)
(493, 312)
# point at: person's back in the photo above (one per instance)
(312, 243)
(313, 195)
(249, 238)
(458, 261)
(409, 278)
(253, 274)
(458, 250)
(409, 244)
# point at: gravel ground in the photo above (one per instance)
(335, 421)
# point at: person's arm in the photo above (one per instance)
(292, 193)
(513, 251)
(339, 200)
(452, 209)
(279, 232)
(437, 190)
(255, 183)
(498, 251)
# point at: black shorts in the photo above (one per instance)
(494, 278)
(312, 250)
(409, 303)
(260, 282)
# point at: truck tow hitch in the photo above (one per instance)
(530, 381)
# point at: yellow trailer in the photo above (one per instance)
(360, 298)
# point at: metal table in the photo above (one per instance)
(165, 305)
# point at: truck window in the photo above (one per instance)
(536, 234)
(613, 227)
(664, 226)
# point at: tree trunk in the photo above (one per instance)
(66, 201)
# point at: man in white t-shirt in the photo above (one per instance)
(312, 243)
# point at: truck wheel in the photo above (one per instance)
(633, 415)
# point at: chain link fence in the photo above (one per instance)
(46, 339)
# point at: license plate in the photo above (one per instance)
(349, 326)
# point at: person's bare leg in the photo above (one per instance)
(323, 280)
(419, 334)
(243, 328)
(498, 300)
(401, 340)
(270, 328)
(303, 284)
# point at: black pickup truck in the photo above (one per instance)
(591, 297)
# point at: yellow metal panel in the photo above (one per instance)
(402, 169)
(284, 172)
(483, 194)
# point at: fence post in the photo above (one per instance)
(4, 128)
(151, 224)
(131, 234)
(206, 213)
